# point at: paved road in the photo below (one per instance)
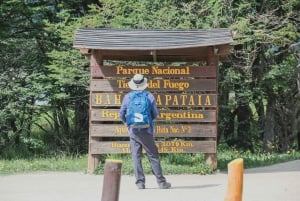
(279, 182)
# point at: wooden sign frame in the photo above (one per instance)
(186, 97)
(187, 106)
(185, 88)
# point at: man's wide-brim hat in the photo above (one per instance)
(138, 82)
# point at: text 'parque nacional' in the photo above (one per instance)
(154, 70)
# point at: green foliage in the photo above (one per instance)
(279, 76)
(20, 89)
(43, 77)
(42, 74)
(262, 74)
(144, 14)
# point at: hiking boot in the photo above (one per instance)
(140, 186)
(165, 185)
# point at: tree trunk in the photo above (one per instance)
(81, 125)
(261, 116)
(244, 117)
(269, 126)
(298, 140)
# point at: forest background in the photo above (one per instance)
(44, 80)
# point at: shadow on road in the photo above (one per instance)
(192, 186)
(196, 187)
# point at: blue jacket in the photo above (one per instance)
(154, 113)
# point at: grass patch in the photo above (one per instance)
(195, 163)
(171, 163)
(252, 160)
(57, 163)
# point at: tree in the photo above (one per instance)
(22, 56)
(38, 65)
(26, 82)
(264, 33)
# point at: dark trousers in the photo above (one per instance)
(146, 141)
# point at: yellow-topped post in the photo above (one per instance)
(235, 180)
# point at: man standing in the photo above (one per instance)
(142, 135)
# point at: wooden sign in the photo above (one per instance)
(208, 116)
(186, 85)
(105, 147)
(186, 95)
(162, 99)
(160, 130)
(154, 71)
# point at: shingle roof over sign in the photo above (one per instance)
(109, 39)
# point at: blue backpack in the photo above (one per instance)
(138, 113)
